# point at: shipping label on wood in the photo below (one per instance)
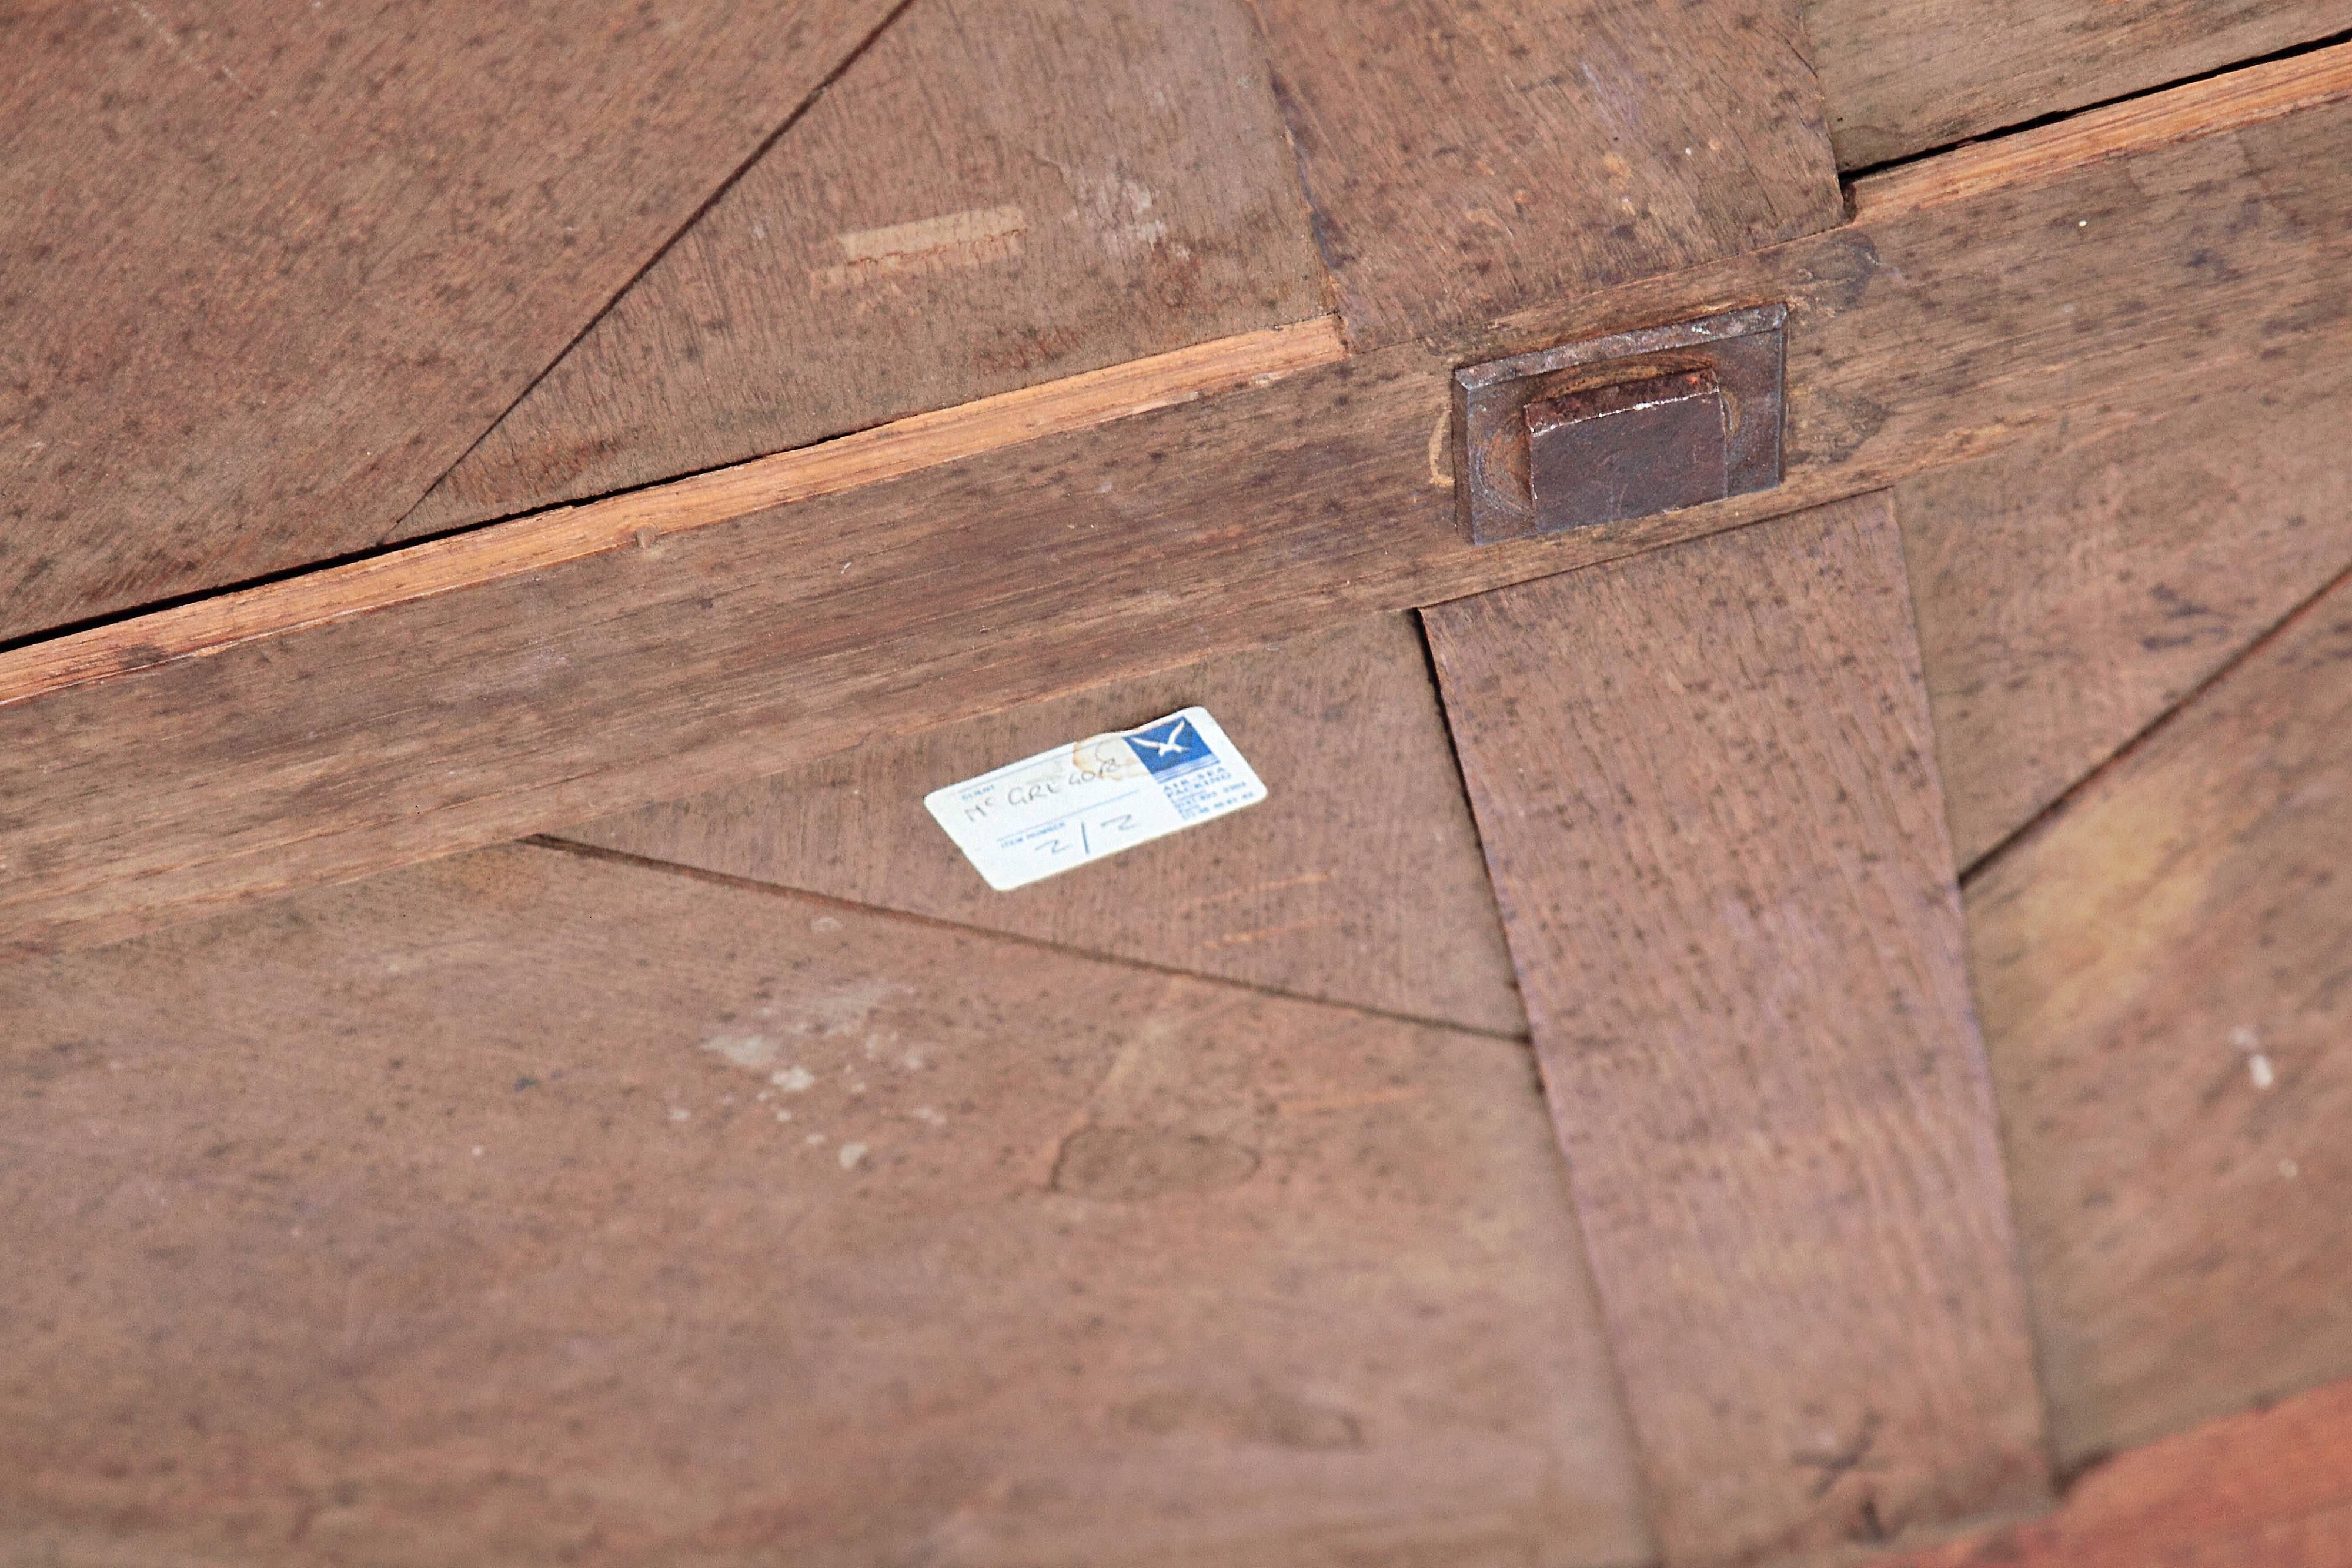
(1359, 880)
(1062, 807)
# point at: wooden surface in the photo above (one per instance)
(2133, 278)
(2162, 969)
(1705, 783)
(454, 1216)
(1465, 161)
(997, 192)
(2204, 109)
(2267, 1488)
(268, 271)
(2070, 591)
(1357, 880)
(637, 521)
(1904, 75)
(1256, 358)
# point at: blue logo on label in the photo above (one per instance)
(1170, 746)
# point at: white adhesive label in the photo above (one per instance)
(1095, 798)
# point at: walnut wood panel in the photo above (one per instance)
(1904, 75)
(2163, 970)
(2180, 249)
(1703, 782)
(2070, 591)
(1465, 161)
(1357, 880)
(270, 270)
(2268, 1488)
(534, 1208)
(996, 192)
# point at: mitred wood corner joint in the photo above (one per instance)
(1612, 429)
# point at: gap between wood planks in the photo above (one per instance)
(2211, 105)
(2148, 732)
(541, 540)
(734, 176)
(639, 517)
(998, 933)
(2121, 100)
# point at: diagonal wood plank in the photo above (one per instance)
(997, 192)
(2163, 967)
(1703, 782)
(233, 749)
(268, 270)
(530, 1208)
(1356, 880)
(1468, 160)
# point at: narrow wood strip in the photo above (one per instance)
(1705, 785)
(2268, 1488)
(2209, 108)
(641, 516)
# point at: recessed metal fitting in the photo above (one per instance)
(1620, 427)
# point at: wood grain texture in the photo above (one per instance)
(2162, 965)
(2214, 108)
(479, 1213)
(1357, 880)
(2070, 591)
(1465, 161)
(1703, 782)
(1826, 282)
(998, 193)
(636, 521)
(1904, 75)
(270, 270)
(764, 640)
(2267, 1488)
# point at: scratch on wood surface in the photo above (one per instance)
(926, 245)
(1238, 937)
(1308, 1106)
(157, 26)
(1305, 879)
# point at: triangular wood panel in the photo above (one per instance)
(998, 193)
(267, 271)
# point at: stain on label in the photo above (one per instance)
(1094, 798)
